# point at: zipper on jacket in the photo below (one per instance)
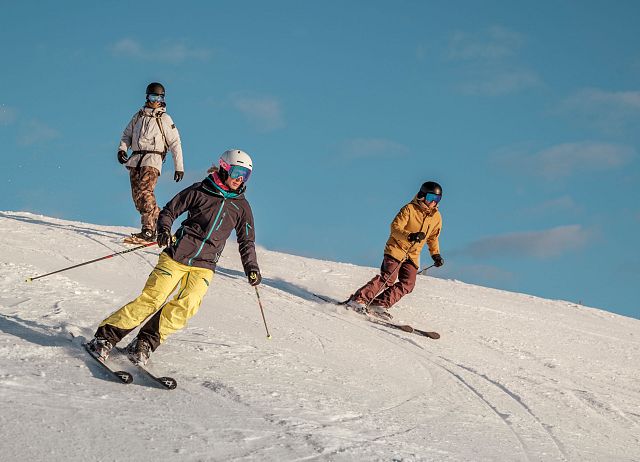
(209, 234)
(221, 220)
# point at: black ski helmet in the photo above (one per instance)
(155, 88)
(429, 187)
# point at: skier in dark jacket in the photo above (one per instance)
(215, 207)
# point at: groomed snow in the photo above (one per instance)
(513, 378)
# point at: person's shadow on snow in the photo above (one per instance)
(42, 335)
(276, 283)
(33, 332)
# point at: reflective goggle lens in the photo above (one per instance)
(237, 171)
(430, 197)
(155, 98)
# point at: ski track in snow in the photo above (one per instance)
(505, 416)
(498, 385)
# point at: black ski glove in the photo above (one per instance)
(122, 157)
(254, 278)
(165, 238)
(178, 175)
(437, 260)
(417, 237)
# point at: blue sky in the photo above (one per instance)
(527, 114)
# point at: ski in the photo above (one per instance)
(376, 320)
(403, 327)
(122, 376)
(167, 382)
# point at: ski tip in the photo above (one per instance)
(433, 335)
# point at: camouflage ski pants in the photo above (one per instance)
(143, 183)
(405, 273)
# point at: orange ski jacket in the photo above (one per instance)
(412, 218)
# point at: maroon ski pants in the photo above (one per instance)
(400, 280)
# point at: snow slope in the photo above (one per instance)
(513, 378)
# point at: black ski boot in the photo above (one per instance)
(139, 351)
(101, 347)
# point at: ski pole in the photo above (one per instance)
(384, 284)
(262, 311)
(426, 268)
(92, 261)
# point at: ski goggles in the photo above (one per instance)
(431, 197)
(236, 171)
(155, 98)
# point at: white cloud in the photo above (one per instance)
(609, 111)
(561, 204)
(626, 100)
(488, 60)
(500, 82)
(36, 132)
(569, 158)
(264, 112)
(535, 244)
(496, 42)
(373, 147)
(173, 52)
(128, 47)
(7, 115)
(564, 159)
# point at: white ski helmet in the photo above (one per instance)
(235, 163)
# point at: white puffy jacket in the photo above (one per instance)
(143, 133)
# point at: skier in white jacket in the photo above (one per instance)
(150, 134)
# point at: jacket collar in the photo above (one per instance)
(423, 208)
(151, 112)
(215, 187)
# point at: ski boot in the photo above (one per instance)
(101, 347)
(145, 235)
(138, 351)
(379, 312)
(357, 304)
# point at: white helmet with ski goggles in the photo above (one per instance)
(237, 164)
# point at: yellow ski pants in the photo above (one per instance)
(165, 277)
